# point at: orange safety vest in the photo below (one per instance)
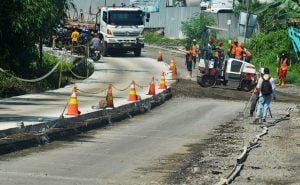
(189, 56)
(284, 65)
(194, 49)
(233, 49)
(248, 53)
(239, 52)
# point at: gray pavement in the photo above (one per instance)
(48, 106)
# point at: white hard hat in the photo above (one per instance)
(194, 40)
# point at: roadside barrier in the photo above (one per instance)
(132, 92)
(151, 87)
(73, 104)
(162, 84)
(159, 55)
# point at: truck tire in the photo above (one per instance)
(104, 49)
(137, 52)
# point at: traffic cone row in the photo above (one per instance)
(73, 103)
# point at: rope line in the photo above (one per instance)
(77, 76)
(33, 80)
(121, 89)
(98, 92)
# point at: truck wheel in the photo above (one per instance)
(104, 49)
(137, 52)
(246, 85)
(207, 81)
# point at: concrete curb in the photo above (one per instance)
(28, 136)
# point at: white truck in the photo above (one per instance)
(121, 29)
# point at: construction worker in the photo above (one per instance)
(195, 51)
(239, 51)
(189, 61)
(219, 55)
(233, 47)
(74, 38)
(247, 55)
(282, 68)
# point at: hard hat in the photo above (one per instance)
(211, 40)
(194, 40)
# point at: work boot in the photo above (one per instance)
(279, 83)
(282, 83)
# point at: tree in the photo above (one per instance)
(22, 25)
(195, 27)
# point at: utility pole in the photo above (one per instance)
(247, 21)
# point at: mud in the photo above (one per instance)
(213, 159)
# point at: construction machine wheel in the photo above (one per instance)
(207, 81)
(246, 85)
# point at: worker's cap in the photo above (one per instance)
(194, 40)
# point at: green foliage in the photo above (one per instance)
(152, 38)
(265, 48)
(195, 28)
(22, 25)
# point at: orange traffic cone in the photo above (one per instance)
(173, 68)
(73, 105)
(159, 55)
(109, 97)
(162, 84)
(172, 63)
(152, 87)
(132, 92)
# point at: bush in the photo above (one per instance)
(152, 38)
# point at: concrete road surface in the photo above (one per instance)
(127, 153)
(119, 71)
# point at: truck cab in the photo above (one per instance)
(121, 29)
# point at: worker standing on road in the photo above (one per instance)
(74, 38)
(239, 51)
(219, 55)
(255, 94)
(282, 69)
(233, 47)
(195, 51)
(189, 61)
(266, 88)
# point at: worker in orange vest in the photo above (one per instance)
(247, 55)
(189, 61)
(233, 47)
(239, 51)
(195, 48)
(282, 68)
